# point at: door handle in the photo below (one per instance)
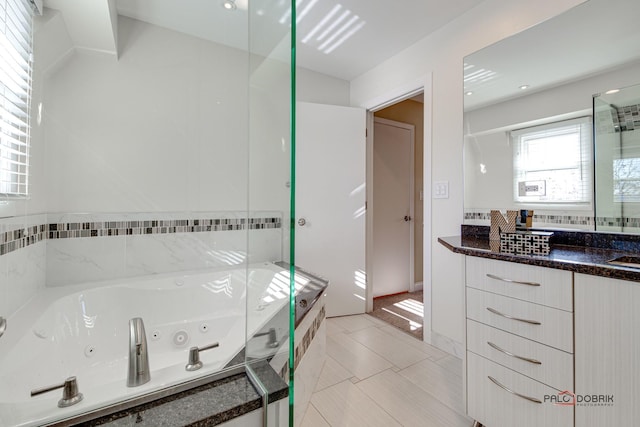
(407, 218)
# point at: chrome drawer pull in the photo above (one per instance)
(526, 359)
(532, 322)
(531, 399)
(512, 281)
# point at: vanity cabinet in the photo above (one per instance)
(520, 343)
(607, 342)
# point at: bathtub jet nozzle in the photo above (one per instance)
(138, 356)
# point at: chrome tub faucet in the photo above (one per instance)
(138, 356)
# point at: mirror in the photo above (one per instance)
(546, 74)
(617, 154)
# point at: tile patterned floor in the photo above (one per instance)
(377, 375)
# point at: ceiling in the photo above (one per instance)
(340, 38)
(595, 36)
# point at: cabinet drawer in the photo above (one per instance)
(554, 327)
(546, 364)
(546, 286)
(494, 406)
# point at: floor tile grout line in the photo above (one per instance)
(434, 361)
(412, 346)
(351, 372)
(390, 361)
(427, 392)
(431, 393)
(319, 413)
(376, 404)
(337, 363)
(374, 401)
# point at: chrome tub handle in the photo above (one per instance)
(70, 393)
(3, 325)
(194, 356)
(526, 359)
(502, 279)
(531, 399)
(532, 322)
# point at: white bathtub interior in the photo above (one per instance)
(82, 331)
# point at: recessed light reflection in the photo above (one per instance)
(345, 37)
(612, 91)
(334, 25)
(305, 10)
(469, 93)
(229, 5)
(523, 87)
(322, 23)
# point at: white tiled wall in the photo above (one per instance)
(22, 272)
(162, 128)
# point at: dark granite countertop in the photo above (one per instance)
(207, 405)
(579, 259)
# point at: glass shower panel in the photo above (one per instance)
(617, 160)
(159, 191)
(269, 334)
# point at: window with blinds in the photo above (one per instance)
(15, 96)
(626, 174)
(553, 163)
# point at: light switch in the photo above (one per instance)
(441, 190)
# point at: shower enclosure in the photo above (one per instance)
(151, 247)
(617, 160)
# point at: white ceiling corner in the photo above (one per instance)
(89, 23)
(340, 38)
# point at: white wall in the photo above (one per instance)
(163, 128)
(442, 55)
(161, 131)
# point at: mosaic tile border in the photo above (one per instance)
(618, 222)
(547, 219)
(622, 119)
(627, 119)
(304, 345)
(567, 219)
(13, 240)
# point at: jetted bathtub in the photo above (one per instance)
(83, 331)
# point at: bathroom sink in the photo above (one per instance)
(626, 261)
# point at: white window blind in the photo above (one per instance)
(15, 96)
(553, 163)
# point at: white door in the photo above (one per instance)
(330, 201)
(392, 207)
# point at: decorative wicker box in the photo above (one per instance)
(526, 242)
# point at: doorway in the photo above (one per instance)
(397, 224)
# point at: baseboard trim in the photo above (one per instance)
(447, 344)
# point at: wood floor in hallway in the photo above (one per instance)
(404, 311)
(377, 375)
